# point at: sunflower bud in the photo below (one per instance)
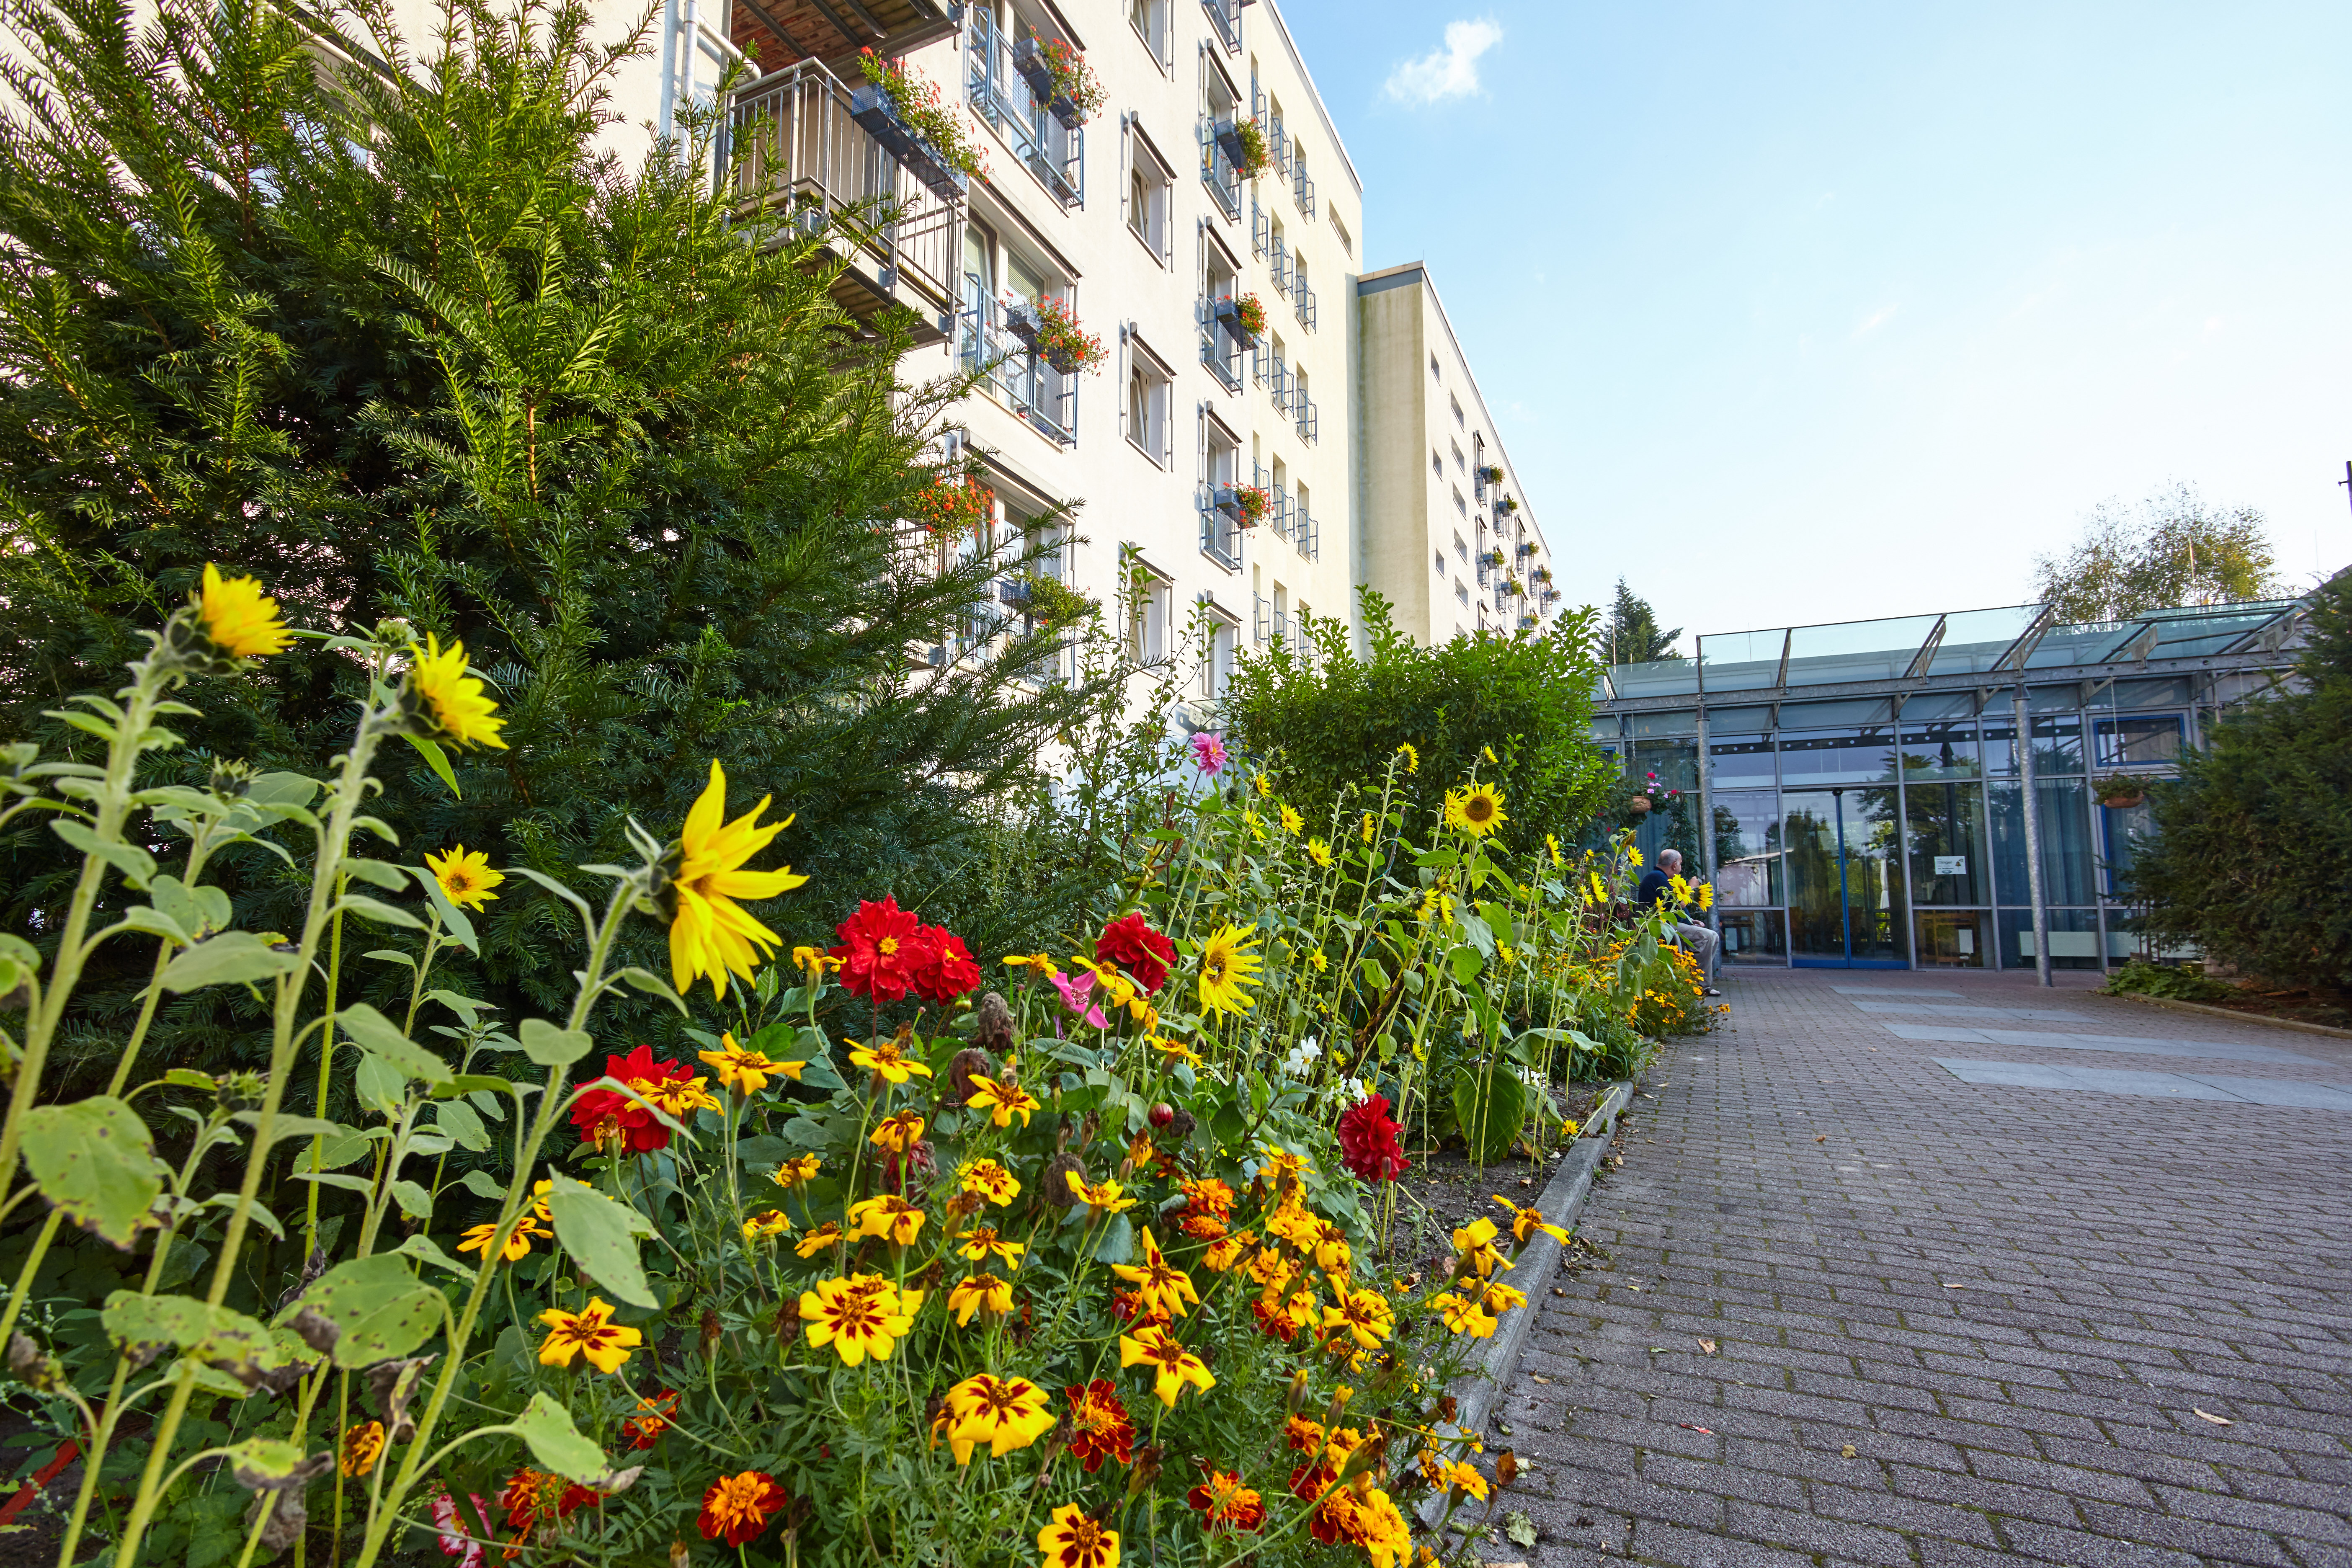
(993, 1024)
(962, 1068)
(1054, 1184)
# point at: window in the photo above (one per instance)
(1434, 375)
(1462, 591)
(1347, 241)
(1150, 189)
(1436, 464)
(1303, 532)
(1148, 618)
(1149, 388)
(1461, 549)
(1459, 461)
(1220, 115)
(1221, 289)
(1150, 19)
(1441, 564)
(1460, 505)
(1457, 419)
(1220, 471)
(1217, 666)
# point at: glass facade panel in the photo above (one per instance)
(1753, 936)
(1742, 661)
(1837, 756)
(1946, 751)
(1746, 850)
(2058, 743)
(1952, 938)
(1947, 843)
(2138, 740)
(1737, 761)
(1857, 650)
(2118, 826)
(2073, 938)
(2066, 864)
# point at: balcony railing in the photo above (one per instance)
(1221, 536)
(1218, 170)
(1302, 186)
(1221, 346)
(1277, 262)
(1225, 20)
(1033, 389)
(1302, 300)
(1053, 150)
(1261, 231)
(801, 158)
(1307, 534)
(1303, 412)
(1277, 145)
(1275, 376)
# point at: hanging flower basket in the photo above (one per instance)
(2121, 791)
(1048, 327)
(1058, 76)
(1245, 316)
(1244, 147)
(1639, 805)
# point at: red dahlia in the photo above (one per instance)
(1131, 943)
(603, 1109)
(883, 947)
(1368, 1142)
(946, 971)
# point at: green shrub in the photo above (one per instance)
(2138, 977)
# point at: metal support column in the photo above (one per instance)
(2033, 837)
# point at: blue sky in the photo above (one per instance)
(1815, 311)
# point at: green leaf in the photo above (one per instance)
(378, 1303)
(653, 985)
(193, 909)
(458, 1119)
(95, 1161)
(414, 1200)
(377, 910)
(1492, 1104)
(477, 1083)
(284, 1126)
(333, 1179)
(139, 917)
(381, 1087)
(482, 1185)
(231, 958)
(437, 760)
(389, 955)
(226, 1202)
(600, 1236)
(550, 1046)
(372, 1031)
(380, 873)
(425, 1249)
(1519, 1528)
(587, 915)
(135, 864)
(454, 920)
(547, 1430)
(187, 1325)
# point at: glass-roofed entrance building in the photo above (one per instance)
(1871, 804)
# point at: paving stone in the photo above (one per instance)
(1809, 1202)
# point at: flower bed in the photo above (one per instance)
(873, 1261)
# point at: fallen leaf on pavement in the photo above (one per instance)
(1707, 1345)
(1519, 1528)
(1846, 1452)
(1822, 1139)
(1688, 1427)
(1950, 1286)
(1538, 1377)
(2217, 1420)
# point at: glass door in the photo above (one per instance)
(1846, 904)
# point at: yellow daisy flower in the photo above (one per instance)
(239, 618)
(1228, 964)
(452, 697)
(711, 935)
(464, 875)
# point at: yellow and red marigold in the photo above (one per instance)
(1225, 1503)
(860, 1316)
(654, 1418)
(1006, 1412)
(1099, 1426)
(589, 1333)
(738, 1507)
(1074, 1541)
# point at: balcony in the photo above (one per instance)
(1261, 231)
(1276, 377)
(1302, 302)
(1222, 346)
(1226, 21)
(1041, 397)
(1278, 145)
(1302, 186)
(1219, 169)
(804, 154)
(1277, 262)
(1303, 412)
(1307, 533)
(1046, 134)
(1221, 536)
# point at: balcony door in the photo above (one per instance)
(1846, 903)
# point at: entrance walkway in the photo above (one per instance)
(1956, 1320)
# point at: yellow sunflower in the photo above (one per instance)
(1411, 758)
(712, 934)
(1477, 809)
(464, 875)
(1291, 821)
(239, 618)
(452, 696)
(1319, 852)
(1228, 963)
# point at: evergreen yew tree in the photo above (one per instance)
(397, 340)
(2252, 846)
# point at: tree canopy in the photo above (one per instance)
(1328, 721)
(2170, 551)
(402, 342)
(2252, 846)
(1632, 634)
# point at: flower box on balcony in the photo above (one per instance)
(1053, 335)
(1491, 475)
(1505, 505)
(1244, 147)
(1058, 76)
(874, 110)
(1490, 557)
(1245, 316)
(1540, 573)
(1513, 587)
(1527, 547)
(1246, 504)
(1527, 623)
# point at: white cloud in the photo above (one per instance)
(1877, 320)
(1449, 72)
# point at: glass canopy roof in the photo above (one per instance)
(2008, 639)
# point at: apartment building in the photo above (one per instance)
(1446, 536)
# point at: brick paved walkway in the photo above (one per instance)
(1803, 1191)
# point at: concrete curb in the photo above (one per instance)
(1475, 1391)
(2179, 1005)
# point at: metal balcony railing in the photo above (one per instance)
(1218, 170)
(800, 157)
(1303, 412)
(1261, 231)
(1221, 347)
(1278, 381)
(1221, 536)
(1277, 145)
(1000, 94)
(1303, 185)
(1307, 534)
(1277, 262)
(1032, 388)
(1302, 302)
(1225, 18)
(1262, 620)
